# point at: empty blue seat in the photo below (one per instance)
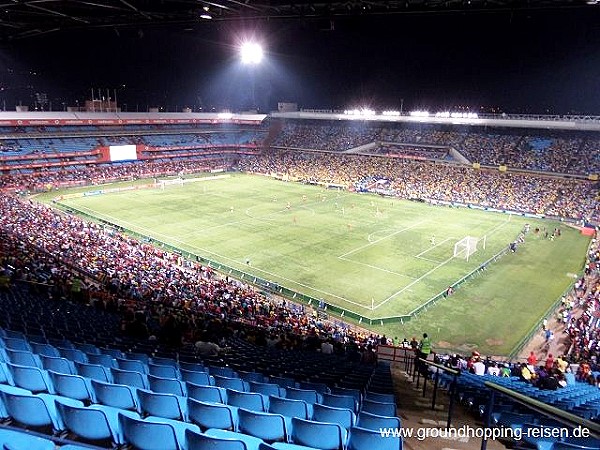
(102, 359)
(154, 435)
(73, 354)
(284, 382)
(60, 365)
(132, 365)
(340, 401)
(168, 406)
(196, 377)
(267, 389)
(17, 344)
(284, 446)
(89, 349)
(342, 416)
(138, 356)
(290, 407)
(226, 372)
(363, 439)
(381, 409)
(252, 376)
(36, 410)
(23, 358)
(131, 378)
(266, 426)
(231, 383)
(321, 388)
(72, 386)
(309, 396)
(94, 371)
(249, 400)
(381, 398)
(167, 385)
(356, 393)
(44, 349)
(10, 390)
(252, 443)
(116, 395)
(30, 378)
(163, 371)
(192, 366)
(375, 422)
(212, 415)
(199, 441)
(112, 352)
(21, 440)
(95, 423)
(163, 361)
(321, 435)
(207, 393)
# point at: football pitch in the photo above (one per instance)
(376, 256)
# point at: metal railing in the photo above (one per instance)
(423, 364)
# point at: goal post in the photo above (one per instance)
(468, 245)
(162, 184)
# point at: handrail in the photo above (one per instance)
(561, 416)
(448, 370)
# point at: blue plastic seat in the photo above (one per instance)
(309, 396)
(290, 407)
(196, 377)
(356, 393)
(199, 441)
(226, 372)
(284, 446)
(321, 388)
(163, 361)
(44, 349)
(104, 360)
(116, 395)
(252, 377)
(5, 377)
(212, 415)
(21, 440)
(94, 371)
(252, 443)
(72, 386)
(267, 389)
(133, 365)
(381, 409)
(60, 365)
(17, 344)
(168, 406)
(163, 371)
(207, 393)
(341, 401)
(381, 398)
(112, 352)
(284, 382)
(36, 410)
(73, 354)
(167, 385)
(248, 400)
(154, 435)
(375, 422)
(192, 366)
(321, 435)
(231, 383)
(30, 378)
(88, 349)
(363, 439)
(96, 423)
(266, 426)
(23, 358)
(10, 390)
(138, 356)
(342, 416)
(134, 379)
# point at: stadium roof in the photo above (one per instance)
(27, 18)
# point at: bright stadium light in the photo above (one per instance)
(251, 53)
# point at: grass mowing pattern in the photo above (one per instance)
(360, 250)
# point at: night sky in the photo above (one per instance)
(534, 62)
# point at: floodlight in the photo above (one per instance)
(251, 52)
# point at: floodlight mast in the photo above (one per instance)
(251, 53)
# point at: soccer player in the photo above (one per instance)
(432, 240)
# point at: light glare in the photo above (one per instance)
(251, 52)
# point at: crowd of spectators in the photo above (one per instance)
(161, 295)
(558, 153)
(435, 182)
(580, 312)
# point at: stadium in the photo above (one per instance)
(295, 277)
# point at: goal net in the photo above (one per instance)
(162, 184)
(467, 246)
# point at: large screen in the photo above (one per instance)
(122, 152)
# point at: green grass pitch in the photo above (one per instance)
(373, 255)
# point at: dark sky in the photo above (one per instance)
(539, 61)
